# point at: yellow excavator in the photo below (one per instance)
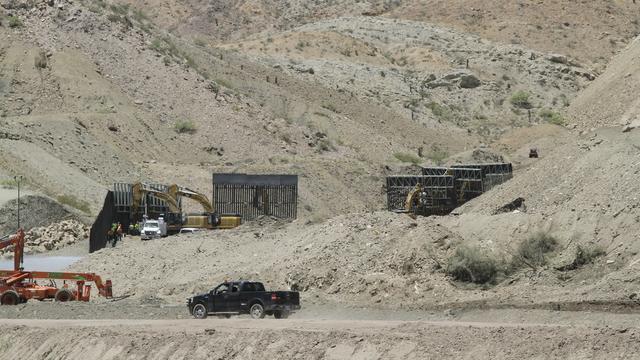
(175, 219)
(207, 220)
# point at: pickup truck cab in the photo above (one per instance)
(244, 297)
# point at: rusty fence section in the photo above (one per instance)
(252, 196)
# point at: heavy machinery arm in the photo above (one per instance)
(138, 190)
(18, 250)
(175, 191)
(411, 200)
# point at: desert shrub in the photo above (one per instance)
(213, 87)
(533, 249)
(40, 60)
(551, 117)
(472, 264)
(185, 127)
(325, 145)
(74, 202)
(407, 158)
(15, 22)
(438, 156)
(520, 99)
(587, 255)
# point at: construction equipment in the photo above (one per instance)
(17, 285)
(439, 190)
(415, 199)
(207, 220)
(174, 218)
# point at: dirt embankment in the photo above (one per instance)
(308, 339)
(34, 211)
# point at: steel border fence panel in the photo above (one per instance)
(252, 196)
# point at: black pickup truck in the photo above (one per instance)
(244, 297)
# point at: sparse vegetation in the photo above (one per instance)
(8, 184)
(438, 156)
(552, 117)
(472, 264)
(442, 112)
(74, 202)
(40, 60)
(330, 107)
(407, 158)
(14, 22)
(532, 251)
(185, 127)
(325, 145)
(587, 254)
(213, 87)
(520, 99)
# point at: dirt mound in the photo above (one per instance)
(35, 211)
(295, 339)
(611, 100)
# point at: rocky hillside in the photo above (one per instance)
(590, 31)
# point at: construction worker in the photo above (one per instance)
(120, 232)
(114, 234)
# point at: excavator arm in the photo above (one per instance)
(138, 190)
(411, 200)
(175, 191)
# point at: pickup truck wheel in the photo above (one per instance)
(257, 311)
(280, 314)
(199, 311)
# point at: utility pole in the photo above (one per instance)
(18, 180)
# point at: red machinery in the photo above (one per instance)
(18, 286)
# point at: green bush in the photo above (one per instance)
(15, 22)
(552, 117)
(520, 99)
(407, 158)
(533, 250)
(472, 264)
(185, 127)
(74, 202)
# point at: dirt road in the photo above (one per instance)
(509, 337)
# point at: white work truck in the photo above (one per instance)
(152, 229)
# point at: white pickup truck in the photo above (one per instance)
(152, 229)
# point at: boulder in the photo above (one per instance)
(469, 81)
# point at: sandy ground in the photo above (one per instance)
(319, 339)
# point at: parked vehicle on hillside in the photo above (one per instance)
(244, 297)
(152, 229)
(189, 230)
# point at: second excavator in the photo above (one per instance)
(209, 219)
